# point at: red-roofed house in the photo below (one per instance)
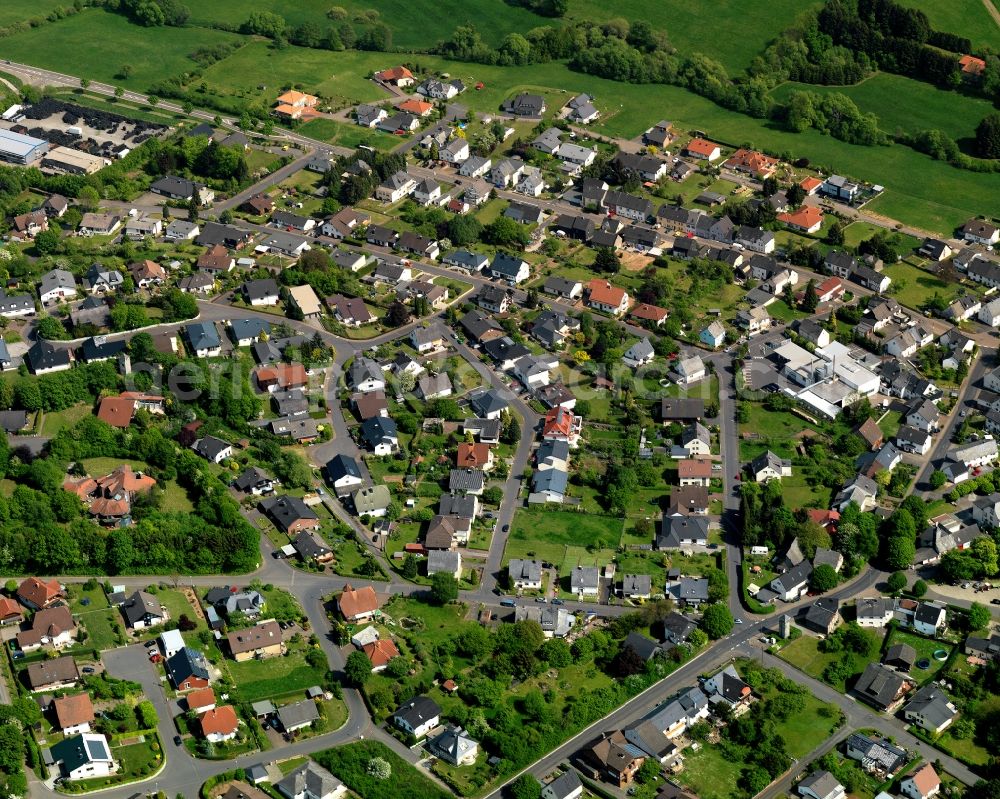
(605, 297)
(219, 724)
(282, 377)
(830, 289)
(694, 472)
(650, 313)
(201, 700)
(810, 185)
(358, 605)
(116, 411)
(705, 150)
(416, 107)
(474, 456)
(380, 652)
(10, 611)
(37, 594)
(397, 76)
(972, 67)
(807, 219)
(922, 784)
(753, 163)
(297, 99)
(73, 713)
(561, 425)
(827, 519)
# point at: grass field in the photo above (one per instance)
(276, 676)
(924, 647)
(927, 194)
(347, 135)
(54, 421)
(564, 538)
(349, 763)
(967, 18)
(96, 43)
(23, 10)
(804, 653)
(912, 286)
(915, 105)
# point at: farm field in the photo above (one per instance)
(415, 25)
(22, 10)
(346, 134)
(96, 43)
(941, 199)
(564, 538)
(912, 286)
(967, 18)
(915, 105)
(273, 677)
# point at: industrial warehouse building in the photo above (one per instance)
(17, 148)
(74, 162)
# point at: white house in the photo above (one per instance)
(922, 784)
(84, 756)
(418, 716)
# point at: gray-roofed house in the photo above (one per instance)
(525, 574)
(637, 586)
(684, 533)
(444, 560)
(793, 584)
(566, 786)
(454, 746)
(881, 687)
(298, 715)
(468, 481)
(585, 580)
(931, 709)
(203, 339)
(821, 785)
(311, 781)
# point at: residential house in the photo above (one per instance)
(585, 581)
(566, 786)
(979, 231)
(684, 533)
(311, 781)
(689, 370)
(768, 466)
(188, 670)
(823, 616)
(792, 584)
(602, 296)
(142, 610)
(262, 640)
(56, 285)
(73, 714)
(877, 756)
(702, 150)
(37, 594)
(417, 716)
(203, 339)
(614, 759)
(714, 335)
(640, 354)
(305, 300)
(52, 628)
(525, 574)
(83, 756)
(510, 268)
(219, 724)
(213, 449)
(931, 709)
(358, 605)
(882, 687)
(821, 785)
(921, 784)
(52, 674)
(290, 514)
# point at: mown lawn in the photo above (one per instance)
(97, 44)
(564, 538)
(915, 105)
(912, 286)
(804, 653)
(967, 18)
(924, 647)
(54, 421)
(349, 763)
(710, 773)
(277, 676)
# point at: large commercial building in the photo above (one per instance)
(74, 162)
(19, 149)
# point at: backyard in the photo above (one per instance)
(805, 654)
(564, 538)
(275, 677)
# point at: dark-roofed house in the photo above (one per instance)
(681, 410)
(310, 781)
(901, 657)
(823, 616)
(882, 687)
(263, 640)
(142, 610)
(52, 675)
(290, 514)
(683, 533)
(417, 716)
(931, 709)
(877, 756)
(344, 474)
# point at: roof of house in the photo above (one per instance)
(140, 605)
(47, 672)
(186, 663)
(309, 779)
(925, 779)
(73, 710)
(355, 602)
(39, 592)
(261, 635)
(932, 704)
(417, 711)
(601, 291)
(821, 783)
(879, 684)
(286, 510)
(221, 720)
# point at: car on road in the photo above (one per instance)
(150, 644)
(541, 599)
(178, 741)
(737, 621)
(557, 602)
(506, 528)
(995, 601)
